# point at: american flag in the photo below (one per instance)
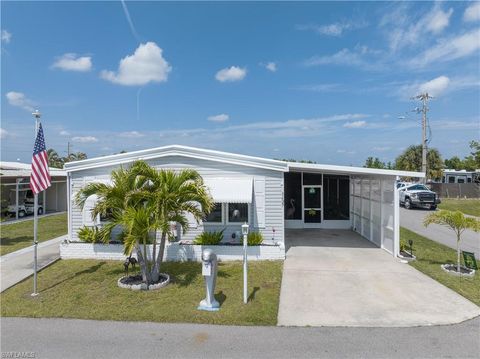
(40, 176)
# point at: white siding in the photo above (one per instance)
(272, 201)
(373, 210)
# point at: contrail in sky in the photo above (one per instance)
(130, 22)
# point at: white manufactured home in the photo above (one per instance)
(271, 196)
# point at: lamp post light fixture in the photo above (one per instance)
(245, 243)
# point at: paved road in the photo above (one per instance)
(16, 266)
(413, 220)
(69, 338)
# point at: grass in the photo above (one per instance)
(20, 235)
(467, 206)
(87, 289)
(430, 255)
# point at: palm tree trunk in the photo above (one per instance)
(154, 252)
(141, 263)
(458, 252)
(158, 259)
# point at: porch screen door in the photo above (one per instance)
(312, 204)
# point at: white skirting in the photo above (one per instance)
(173, 252)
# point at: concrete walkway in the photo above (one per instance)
(16, 266)
(412, 219)
(70, 338)
(337, 278)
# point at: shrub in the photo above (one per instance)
(209, 238)
(254, 238)
(89, 234)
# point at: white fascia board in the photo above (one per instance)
(181, 151)
(351, 170)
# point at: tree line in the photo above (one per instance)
(411, 160)
(57, 161)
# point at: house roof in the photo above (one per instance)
(227, 157)
(18, 169)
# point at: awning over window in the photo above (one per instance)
(230, 190)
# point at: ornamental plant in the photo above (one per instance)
(457, 222)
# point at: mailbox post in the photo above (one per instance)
(245, 277)
(209, 272)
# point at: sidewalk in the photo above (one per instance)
(16, 266)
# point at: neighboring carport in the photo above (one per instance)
(337, 278)
(15, 187)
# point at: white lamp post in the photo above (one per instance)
(245, 243)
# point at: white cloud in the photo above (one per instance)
(64, 133)
(405, 27)
(146, 65)
(355, 124)
(230, 74)
(472, 13)
(85, 139)
(73, 62)
(271, 66)
(347, 152)
(438, 20)
(219, 118)
(131, 134)
(334, 29)
(3, 133)
(449, 49)
(381, 148)
(360, 56)
(321, 88)
(18, 99)
(6, 36)
(436, 86)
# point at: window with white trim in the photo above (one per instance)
(216, 215)
(237, 212)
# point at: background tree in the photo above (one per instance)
(76, 157)
(371, 162)
(454, 163)
(54, 160)
(411, 160)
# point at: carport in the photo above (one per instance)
(364, 200)
(15, 188)
(335, 277)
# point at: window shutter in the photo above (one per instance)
(87, 212)
(259, 202)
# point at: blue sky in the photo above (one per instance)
(323, 81)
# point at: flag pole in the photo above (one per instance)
(36, 114)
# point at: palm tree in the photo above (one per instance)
(456, 221)
(142, 200)
(125, 208)
(173, 195)
(54, 160)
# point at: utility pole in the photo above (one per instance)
(424, 99)
(68, 149)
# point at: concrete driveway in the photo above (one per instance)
(412, 219)
(337, 278)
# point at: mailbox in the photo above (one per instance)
(209, 272)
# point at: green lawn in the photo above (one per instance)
(467, 206)
(88, 289)
(20, 235)
(430, 255)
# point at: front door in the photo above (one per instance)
(312, 205)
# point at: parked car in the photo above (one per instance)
(401, 184)
(24, 209)
(418, 195)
